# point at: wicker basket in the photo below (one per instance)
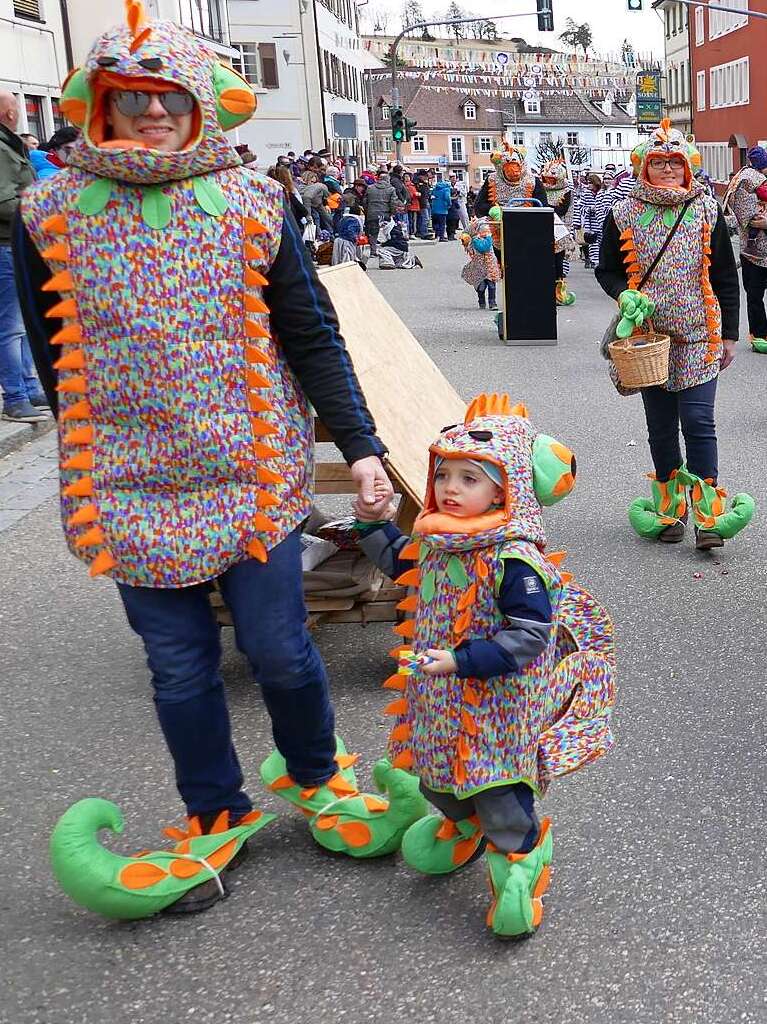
(642, 359)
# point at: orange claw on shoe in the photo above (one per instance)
(284, 782)
(346, 760)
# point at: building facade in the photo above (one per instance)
(306, 62)
(729, 84)
(678, 90)
(457, 131)
(33, 62)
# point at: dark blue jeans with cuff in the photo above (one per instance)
(181, 637)
(692, 409)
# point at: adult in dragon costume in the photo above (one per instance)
(692, 294)
(181, 332)
(559, 196)
(506, 676)
(513, 180)
(744, 198)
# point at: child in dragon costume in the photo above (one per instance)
(509, 681)
(559, 196)
(179, 328)
(691, 290)
(482, 271)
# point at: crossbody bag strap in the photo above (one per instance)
(665, 246)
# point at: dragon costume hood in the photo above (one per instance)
(536, 471)
(154, 56)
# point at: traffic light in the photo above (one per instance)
(410, 127)
(546, 15)
(398, 125)
(635, 5)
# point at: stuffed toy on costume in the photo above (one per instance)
(560, 198)
(463, 736)
(165, 254)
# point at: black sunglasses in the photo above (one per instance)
(131, 103)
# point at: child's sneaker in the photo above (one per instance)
(517, 884)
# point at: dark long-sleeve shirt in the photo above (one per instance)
(302, 320)
(611, 272)
(522, 599)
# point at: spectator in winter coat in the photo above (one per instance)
(440, 206)
(421, 182)
(413, 203)
(380, 202)
(282, 174)
(403, 196)
(315, 194)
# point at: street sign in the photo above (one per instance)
(344, 126)
(649, 101)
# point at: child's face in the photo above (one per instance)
(462, 489)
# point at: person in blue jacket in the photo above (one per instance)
(440, 205)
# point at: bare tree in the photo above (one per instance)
(551, 149)
(487, 30)
(454, 11)
(376, 18)
(577, 36)
(412, 13)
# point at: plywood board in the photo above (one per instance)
(407, 394)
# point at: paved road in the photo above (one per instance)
(657, 909)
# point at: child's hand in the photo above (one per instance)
(442, 663)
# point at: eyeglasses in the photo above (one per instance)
(658, 163)
(133, 104)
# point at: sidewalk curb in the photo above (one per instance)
(15, 435)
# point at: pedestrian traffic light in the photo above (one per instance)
(397, 124)
(545, 15)
(635, 5)
(410, 127)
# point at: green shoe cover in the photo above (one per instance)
(651, 516)
(759, 345)
(518, 882)
(437, 846)
(129, 888)
(710, 508)
(344, 820)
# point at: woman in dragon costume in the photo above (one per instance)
(691, 291)
(559, 196)
(181, 332)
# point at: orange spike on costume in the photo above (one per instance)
(447, 830)
(340, 786)
(471, 696)
(264, 451)
(83, 460)
(255, 227)
(481, 567)
(74, 110)
(255, 355)
(141, 876)
(467, 598)
(261, 428)
(463, 621)
(254, 304)
(468, 723)
(84, 516)
(410, 604)
(557, 557)
(401, 733)
(374, 803)
(61, 282)
(74, 360)
(238, 101)
(567, 577)
(67, 307)
(397, 707)
(140, 39)
(628, 233)
(266, 500)
(72, 386)
(135, 15)
(405, 629)
(410, 578)
(464, 751)
(102, 563)
(403, 760)
(520, 409)
(72, 334)
(395, 682)
(78, 411)
(81, 488)
(266, 476)
(459, 772)
(92, 538)
(256, 380)
(57, 224)
(411, 552)
(263, 524)
(488, 405)
(59, 251)
(252, 252)
(346, 760)
(254, 279)
(283, 782)
(258, 404)
(255, 330)
(79, 435)
(257, 550)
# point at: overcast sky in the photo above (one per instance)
(610, 20)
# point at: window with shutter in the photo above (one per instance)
(27, 9)
(269, 76)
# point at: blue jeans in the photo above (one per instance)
(693, 409)
(486, 286)
(439, 223)
(423, 222)
(17, 369)
(181, 638)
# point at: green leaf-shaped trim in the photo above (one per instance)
(94, 197)
(423, 551)
(209, 196)
(428, 587)
(155, 207)
(648, 216)
(689, 217)
(669, 216)
(457, 573)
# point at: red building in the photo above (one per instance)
(728, 62)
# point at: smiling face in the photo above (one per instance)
(156, 128)
(463, 489)
(666, 172)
